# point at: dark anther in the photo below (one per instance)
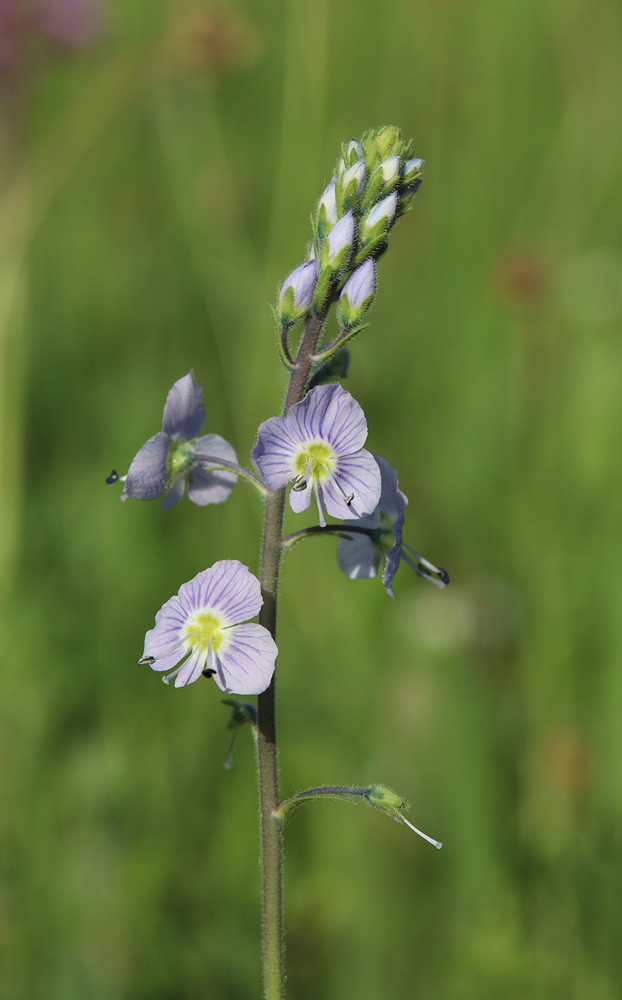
(113, 477)
(150, 660)
(443, 575)
(208, 672)
(300, 484)
(349, 499)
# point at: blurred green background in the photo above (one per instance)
(158, 171)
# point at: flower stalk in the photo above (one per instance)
(266, 743)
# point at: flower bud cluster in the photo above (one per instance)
(374, 183)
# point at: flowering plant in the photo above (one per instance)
(317, 446)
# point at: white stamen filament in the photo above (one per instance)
(146, 658)
(320, 511)
(348, 497)
(435, 843)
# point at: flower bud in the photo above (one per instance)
(351, 153)
(354, 175)
(388, 140)
(327, 209)
(379, 219)
(411, 170)
(390, 170)
(351, 184)
(296, 293)
(357, 295)
(338, 245)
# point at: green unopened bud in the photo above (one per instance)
(388, 141)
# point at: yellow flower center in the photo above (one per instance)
(317, 457)
(202, 627)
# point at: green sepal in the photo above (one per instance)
(371, 249)
(285, 308)
(321, 288)
(348, 317)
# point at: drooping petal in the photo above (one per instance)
(392, 559)
(358, 557)
(247, 662)
(184, 413)
(205, 484)
(274, 451)
(146, 476)
(174, 493)
(356, 475)
(392, 501)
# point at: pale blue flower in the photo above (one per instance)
(319, 445)
(165, 463)
(361, 555)
(200, 631)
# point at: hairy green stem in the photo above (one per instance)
(267, 765)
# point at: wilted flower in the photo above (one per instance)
(165, 463)
(202, 627)
(360, 556)
(319, 444)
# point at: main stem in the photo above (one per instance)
(267, 764)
